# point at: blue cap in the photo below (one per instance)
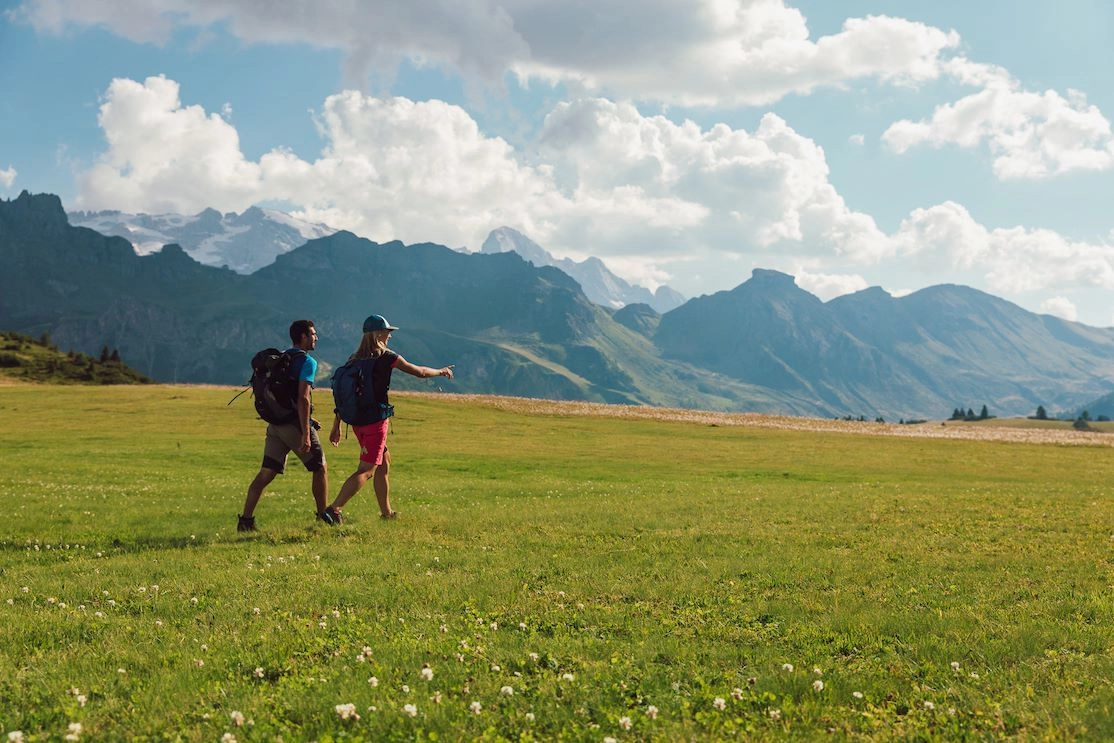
(377, 322)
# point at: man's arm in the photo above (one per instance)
(305, 392)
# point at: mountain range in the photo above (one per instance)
(516, 328)
(249, 241)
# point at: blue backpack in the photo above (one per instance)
(354, 394)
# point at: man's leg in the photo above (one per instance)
(320, 486)
(255, 490)
(274, 464)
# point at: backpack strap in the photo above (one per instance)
(238, 394)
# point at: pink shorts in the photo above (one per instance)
(373, 441)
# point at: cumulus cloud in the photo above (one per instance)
(727, 189)
(1012, 260)
(7, 177)
(391, 168)
(691, 52)
(1060, 307)
(475, 37)
(829, 285)
(163, 156)
(1030, 135)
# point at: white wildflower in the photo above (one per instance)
(347, 711)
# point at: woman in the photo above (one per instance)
(375, 460)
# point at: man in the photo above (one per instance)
(299, 437)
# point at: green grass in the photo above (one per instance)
(595, 566)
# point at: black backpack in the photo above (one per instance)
(274, 384)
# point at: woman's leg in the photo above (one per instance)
(353, 484)
(382, 485)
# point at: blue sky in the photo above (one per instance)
(892, 143)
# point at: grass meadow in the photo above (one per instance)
(552, 577)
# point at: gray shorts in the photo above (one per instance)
(283, 439)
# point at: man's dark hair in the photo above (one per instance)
(298, 328)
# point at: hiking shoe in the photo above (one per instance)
(246, 523)
(331, 516)
(389, 516)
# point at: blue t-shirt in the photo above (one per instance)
(308, 371)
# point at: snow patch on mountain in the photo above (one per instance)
(243, 242)
(600, 285)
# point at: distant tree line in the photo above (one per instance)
(880, 419)
(959, 414)
(1081, 422)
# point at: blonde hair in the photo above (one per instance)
(372, 345)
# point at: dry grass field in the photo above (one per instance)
(1016, 430)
